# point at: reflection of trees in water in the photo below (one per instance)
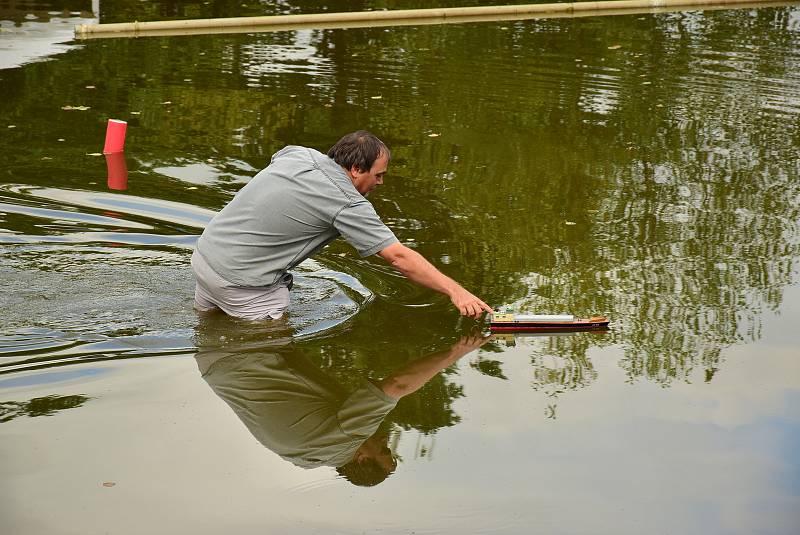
(558, 362)
(700, 240)
(674, 210)
(430, 408)
(44, 406)
(555, 373)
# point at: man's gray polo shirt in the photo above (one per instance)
(301, 202)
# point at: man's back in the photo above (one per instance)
(286, 213)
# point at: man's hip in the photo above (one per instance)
(253, 303)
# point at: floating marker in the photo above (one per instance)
(117, 171)
(115, 136)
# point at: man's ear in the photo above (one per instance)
(359, 456)
(354, 170)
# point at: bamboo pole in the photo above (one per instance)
(400, 17)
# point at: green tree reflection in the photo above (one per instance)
(44, 406)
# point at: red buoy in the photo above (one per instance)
(115, 136)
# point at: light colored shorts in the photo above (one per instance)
(252, 303)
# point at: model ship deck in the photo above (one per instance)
(533, 322)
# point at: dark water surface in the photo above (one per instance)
(642, 167)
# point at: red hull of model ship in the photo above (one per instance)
(577, 325)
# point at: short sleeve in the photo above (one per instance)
(360, 226)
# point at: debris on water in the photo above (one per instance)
(434, 135)
(615, 47)
(570, 223)
(108, 483)
(136, 113)
(166, 102)
(94, 154)
(376, 97)
(90, 87)
(75, 108)
(12, 126)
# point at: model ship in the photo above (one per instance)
(510, 322)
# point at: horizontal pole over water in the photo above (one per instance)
(400, 17)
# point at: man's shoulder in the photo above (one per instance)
(295, 159)
(307, 155)
(295, 152)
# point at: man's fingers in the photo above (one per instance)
(471, 306)
(475, 309)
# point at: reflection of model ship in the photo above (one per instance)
(509, 322)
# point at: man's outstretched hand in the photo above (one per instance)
(414, 266)
(468, 304)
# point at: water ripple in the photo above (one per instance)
(158, 210)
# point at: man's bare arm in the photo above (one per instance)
(414, 266)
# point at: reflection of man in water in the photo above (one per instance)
(289, 211)
(301, 414)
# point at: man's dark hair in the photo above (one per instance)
(365, 473)
(360, 148)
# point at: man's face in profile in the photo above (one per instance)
(366, 181)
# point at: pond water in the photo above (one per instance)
(644, 167)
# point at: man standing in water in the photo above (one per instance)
(301, 202)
